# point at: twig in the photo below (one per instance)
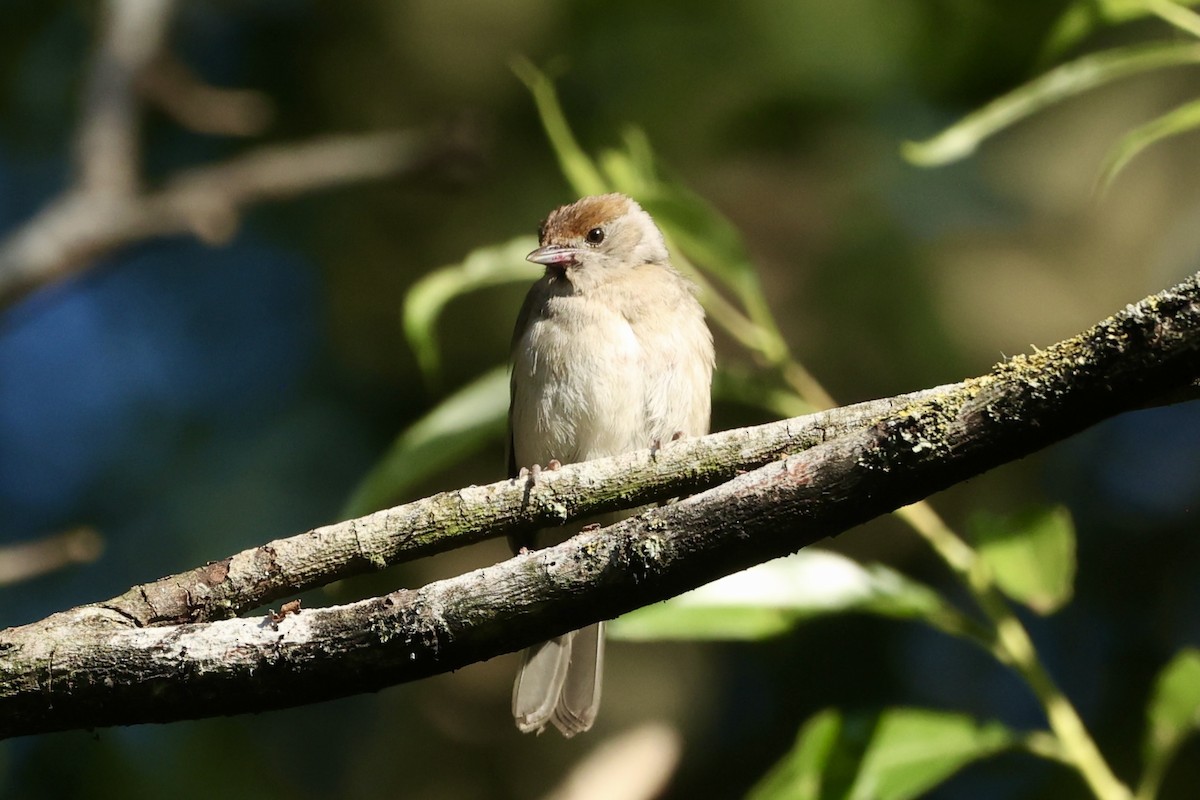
(26, 560)
(68, 235)
(107, 145)
(107, 208)
(168, 83)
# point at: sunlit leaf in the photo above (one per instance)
(705, 235)
(459, 425)
(1031, 554)
(1180, 120)
(912, 750)
(961, 139)
(771, 598)
(802, 773)
(580, 170)
(1173, 11)
(487, 266)
(897, 754)
(1084, 17)
(1173, 714)
(631, 170)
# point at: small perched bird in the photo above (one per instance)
(610, 354)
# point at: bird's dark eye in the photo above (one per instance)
(595, 236)
(542, 233)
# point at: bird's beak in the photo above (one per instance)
(554, 255)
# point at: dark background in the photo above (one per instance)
(190, 402)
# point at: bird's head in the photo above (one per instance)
(590, 238)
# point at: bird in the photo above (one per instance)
(611, 353)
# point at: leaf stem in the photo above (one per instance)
(1014, 647)
(1182, 18)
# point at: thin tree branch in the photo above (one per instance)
(106, 149)
(25, 560)
(169, 84)
(95, 666)
(454, 519)
(79, 227)
(107, 207)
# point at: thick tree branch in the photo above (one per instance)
(97, 666)
(449, 520)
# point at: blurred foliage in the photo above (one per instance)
(190, 402)
(899, 754)
(1031, 554)
(1080, 75)
(1173, 713)
(770, 599)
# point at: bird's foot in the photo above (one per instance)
(534, 472)
(657, 443)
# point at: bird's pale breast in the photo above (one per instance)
(595, 378)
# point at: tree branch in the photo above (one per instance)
(97, 665)
(106, 147)
(450, 520)
(80, 226)
(107, 207)
(25, 560)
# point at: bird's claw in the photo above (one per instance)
(657, 443)
(533, 472)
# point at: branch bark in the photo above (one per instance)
(129, 660)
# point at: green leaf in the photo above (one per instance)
(1180, 120)
(487, 266)
(1084, 17)
(771, 598)
(1031, 554)
(800, 775)
(1173, 714)
(912, 750)
(704, 234)
(632, 169)
(754, 389)
(457, 427)
(961, 139)
(1173, 11)
(897, 754)
(580, 170)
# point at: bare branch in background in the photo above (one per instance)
(107, 152)
(102, 665)
(107, 208)
(26, 560)
(169, 84)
